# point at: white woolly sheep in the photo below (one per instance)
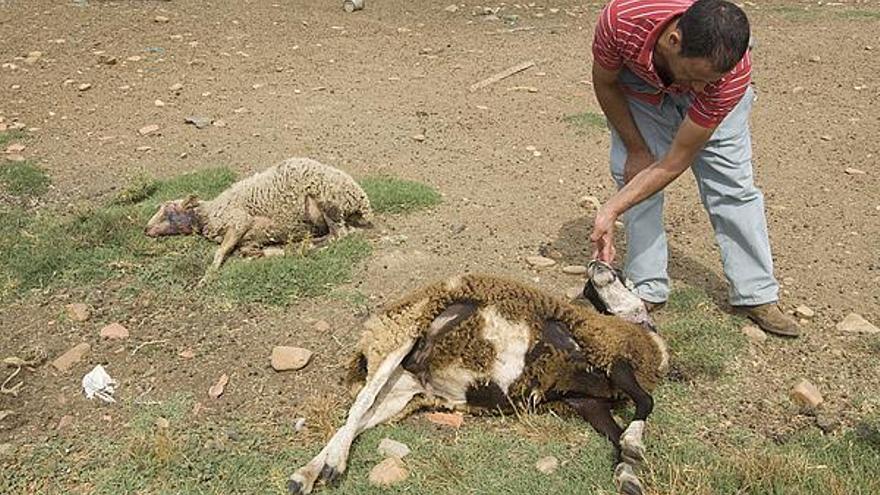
(298, 199)
(480, 343)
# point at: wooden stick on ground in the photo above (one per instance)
(494, 78)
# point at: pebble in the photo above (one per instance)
(159, 103)
(389, 472)
(540, 261)
(187, 354)
(134, 58)
(289, 358)
(815, 59)
(574, 269)
(854, 171)
(587, 201)
(149, 129)
(547, 465)
(15, 148)
(445, 419)
(107, 60)
(322, 326)
(78, 311)
(219, 123)
(806, 395)
(451, 8)
(84, 87)
(176, 87)
(754, 333)
(299, 424)
(573, 292)
(199, 122)
(804, 311)
(161, 19)
(393, 448)
(856, 323)
(825, 137)
(71, 357)
(419, 137)
(218, 388)
(114, 331)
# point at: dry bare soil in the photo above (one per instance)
(385, 91)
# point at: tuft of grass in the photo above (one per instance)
(23, 178)
(140, 188)
(585, 122)
(284, 279)
(858, 14)
(703, 339)
(10, 136)
(391, 195)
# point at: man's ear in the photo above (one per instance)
(674, 40)
(190, 202)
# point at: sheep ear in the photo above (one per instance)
(314, 215)
(190, 202)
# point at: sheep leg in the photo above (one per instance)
(302, 481)
(632, 447)
(597, 412)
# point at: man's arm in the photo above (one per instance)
(614, 105)
(688, 142)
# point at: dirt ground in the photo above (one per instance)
(306, 78)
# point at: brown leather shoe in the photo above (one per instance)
(771, 319)
(654, 306)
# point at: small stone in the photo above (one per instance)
(176, 87)
(451, 8)
(754, 333)
(143, 148)
(825, 137)
(540, 261)
(15, 158)
(299, 424)
(159, 103)
(530, 148)
(815, 59)
(322, 326)
(149, 129)
(547, 465)
(788, 281)
(393, 448)
(114, 331)
(856, 323)
(161, 19)
(419, 137)
(218, 388)
(219, 123)
(15, 148)
(162, 423)
(445, 419)
(199, 122)
(854, 171)
(71, 357)
(573, 292)
(389, 472)
(187, 354)
(64, 422)
(134, 58)
(587, 201)
(84, 87)
(804, 311)
(78, 311)
(289, 358)
(107, 60)
(806, 395)
(574, 269)
(797, 89)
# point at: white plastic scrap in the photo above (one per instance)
(98, 383)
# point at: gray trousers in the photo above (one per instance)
(723, 171)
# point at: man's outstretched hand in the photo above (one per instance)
(603, 236)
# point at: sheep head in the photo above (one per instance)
(608, 291)
(174, 218)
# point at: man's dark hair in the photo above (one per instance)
(714, 29)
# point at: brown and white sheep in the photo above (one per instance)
(298, 199)
(483, 343)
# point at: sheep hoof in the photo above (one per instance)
(295, 487)
(631, 445)
(626, 480)
(330, 474)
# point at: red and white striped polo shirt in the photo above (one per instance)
(626, 33)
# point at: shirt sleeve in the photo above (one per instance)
(606, 50)
(712, 105)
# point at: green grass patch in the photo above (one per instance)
(859, 14)
(23, 179)
(391, 195)
(586, 122)
(701, 337)
(10, 136)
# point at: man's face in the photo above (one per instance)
(695, 73)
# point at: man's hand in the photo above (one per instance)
(635, 163)
(603, 235)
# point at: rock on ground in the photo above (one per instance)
(114, 331)
(856, 323)
(389, 472)
(78, 311)
(289, 358)
(393, 448)
(71, 357)
(806, 395)
(540, 261)
(547, 465)
(754, 333)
